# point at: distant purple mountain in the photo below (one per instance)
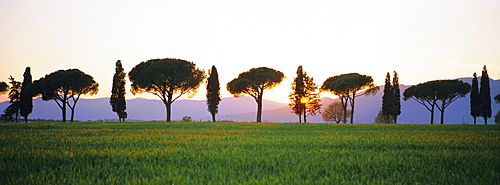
(145, 109)
(244, 108)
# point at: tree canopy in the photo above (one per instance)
(391, 100)
(429, 93)
(475, 103)
(334, 113)
(346, 86)
(304, 98)
(12, 112)
(165, 78)
(253, 82)
(65, 87)
(484, 96)
(213, 92)
(117, 99)
(26, 99)
(4, 88)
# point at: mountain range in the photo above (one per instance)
(243, 109)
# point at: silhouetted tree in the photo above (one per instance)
(164, 78)
(424, 94)
(429, 93)
(450, 91)
(305, 99)
(346, 86)
(396, 98)
(334, 112)
(484, 96)
(475, 103)
(4, 88)
(12, 112)
(386, 100)
(497, 116)
(213, 92)
(253, 83)
(26, 101)
(117, 99)
(65, 85)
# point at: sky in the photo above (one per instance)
(421, 40)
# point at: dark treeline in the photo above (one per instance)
(170, 78)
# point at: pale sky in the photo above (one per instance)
(421, 40)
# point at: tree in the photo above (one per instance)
(253, 82)
(166, 78)
(423, 94)
(65, 87)
(380, 118)
(391, 100)
(334, 113)
(213, 92)
(450, 91)
(187, 119)
(346, 86)
(429, 93)
(26, 99)
(475, 103)
(304, 99)
(12, 112)
(3, 88)
(484, 96)
(117, 99)
(386, 100)
(396, 98)
(497, 116)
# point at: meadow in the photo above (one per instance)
(248, 153)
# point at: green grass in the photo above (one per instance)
(248, 153)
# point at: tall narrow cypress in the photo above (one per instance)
(386, 99)
(396, 98)
(213, 92)
(474, 99)
(484, 96)
(117, 99)
(26, 100)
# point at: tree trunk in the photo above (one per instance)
(72, 114)
(396, 119)
(442, 117)
(352, 107)
(432, 115)
(485, 120)
(213, 117)
(169, 111)
(305, 117)
(63, 109)
(26, 119)
(344, 106)
(300, 118)
(474, 120)
(259, 107)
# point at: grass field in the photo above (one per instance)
(248, 153)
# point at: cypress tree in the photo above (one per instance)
(484, 96)
(305, 101)
(474, 99)
(117, 99)
(12, 112)
(298, 94)
(26, 99)
(213, 92)
(396, 98)
(386, 99)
